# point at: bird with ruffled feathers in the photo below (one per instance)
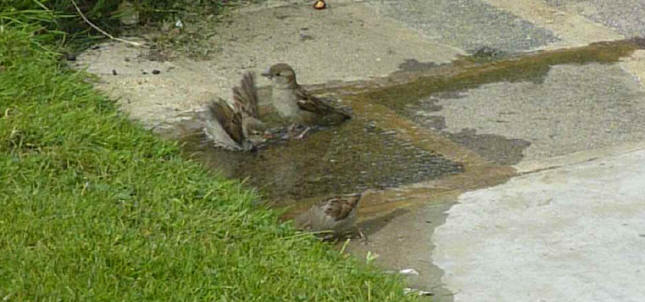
(235, 127)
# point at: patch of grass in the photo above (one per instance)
(106, 13)
(96, 208)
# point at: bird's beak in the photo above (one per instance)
(266, 73)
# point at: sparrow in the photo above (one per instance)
(235, 127)
(333, 217)
(294, 103)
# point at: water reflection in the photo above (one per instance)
(350, 158)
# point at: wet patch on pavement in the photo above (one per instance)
(354, 157)
(414, 65)
(575, 108)
(496, 148)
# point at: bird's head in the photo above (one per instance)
(282, 75)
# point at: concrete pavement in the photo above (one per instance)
(574, 233)
(569, 227)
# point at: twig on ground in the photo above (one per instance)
(100, 30)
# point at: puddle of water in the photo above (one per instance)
(353, 157)
(381, 147)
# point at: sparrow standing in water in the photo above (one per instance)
(337, 216)
(235, 128)
(295, 104)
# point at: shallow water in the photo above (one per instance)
(349, 158)
(385, 145)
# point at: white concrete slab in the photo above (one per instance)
(574, 233)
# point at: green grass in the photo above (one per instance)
(105, 14)
(94, 208)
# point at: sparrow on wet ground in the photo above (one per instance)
(333, 218)
(235, 127)
(294, 104)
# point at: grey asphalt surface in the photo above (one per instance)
(624, 16)
(467, 24)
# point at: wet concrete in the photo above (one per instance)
(402, 89)
(351, 158)
(496, 148)
(568, 112)
(404, 230)
(396, 221)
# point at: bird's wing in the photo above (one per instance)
(247, 95)
(230, 119)
(308, 102)
(340, 207)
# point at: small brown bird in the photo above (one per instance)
(334, 217)
(295, 104)
(235, 128)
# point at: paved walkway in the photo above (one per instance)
(574, 233)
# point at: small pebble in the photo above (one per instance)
(113, 72)
(304, 37)
(70, 57)
(409, 291)
(409, 271)
(155, 71)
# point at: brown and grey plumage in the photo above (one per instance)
(247, 95)
(224, 127)
(233, 127)
(337, 215)
(296, 104)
